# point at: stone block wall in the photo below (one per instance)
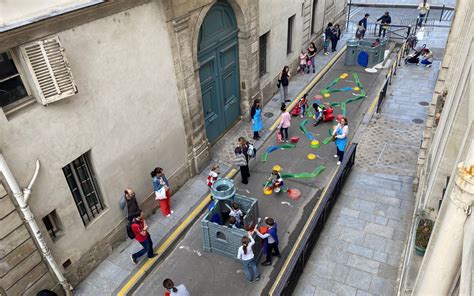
(22, 269)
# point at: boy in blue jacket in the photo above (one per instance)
(270, 241)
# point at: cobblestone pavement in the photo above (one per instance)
(360, 248)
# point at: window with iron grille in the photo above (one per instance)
(263, 53)
(291, 21)
(84, 189)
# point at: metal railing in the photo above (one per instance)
(293, 268)
(391, 72)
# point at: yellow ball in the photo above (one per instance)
(276, 168)
(311, 156)
(342, 76)
(356, 88)
(327, 95)
(345, 74)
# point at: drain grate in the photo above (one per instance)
(418, 121)
(424, 103)
(268, 114)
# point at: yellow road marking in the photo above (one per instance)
(311, 84)
(374, 102)
(300, 237)
(167, 243)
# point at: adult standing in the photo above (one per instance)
(256, 115)
(340, 134)
(140, 229)
(129, 205)
(385, 21)
(327, 38)
(311, 56)
(336, 35)
(283, 82)
(362, 27)
(423, 8)
(161, 186)
(246, 256)
(172, 290)
(242, 159)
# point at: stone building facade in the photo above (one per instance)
(135, 84)
(444, 185)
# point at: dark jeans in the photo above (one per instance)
(340, 154)
(245, 173)
(272, 249)
(284, 133)
(334, 44)
(382, 30)
(421, 19)
(147, 249)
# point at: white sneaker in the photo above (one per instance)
(335, 156)
(301, 116)
(172, 212)
(338, 163)
(168, 215)
(428, 66)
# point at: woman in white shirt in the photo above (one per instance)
(246, 256)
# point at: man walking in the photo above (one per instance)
(129, 205)
(362, 27)
(385, 21)
(140, 229)
(424, 8)
(327, 38)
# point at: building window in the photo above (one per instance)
(84, 189)
(313, 16)
(291, 21)
(47, 63)
(12, 88)
(263, 53)
(53, 225)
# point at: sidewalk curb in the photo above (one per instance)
(166, 245)
(435, 6)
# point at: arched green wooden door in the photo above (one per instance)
(218, 56)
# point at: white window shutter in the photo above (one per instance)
(50, 70)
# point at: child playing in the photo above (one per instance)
(277, 181)
(303, 105)
(237, 214)
(285, 123)
(303, 61)
(270, 243)
(213, 174)
(233, 223)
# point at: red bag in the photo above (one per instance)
(279, 139)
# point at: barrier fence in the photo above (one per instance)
(391, 72)
(293, 268)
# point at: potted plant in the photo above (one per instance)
(423, 233)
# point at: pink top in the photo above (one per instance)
(285, 120)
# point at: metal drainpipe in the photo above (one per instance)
(22, 199)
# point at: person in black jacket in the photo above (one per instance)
(336, 35)
(385, 21)
(327, 38)
(362, 27)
